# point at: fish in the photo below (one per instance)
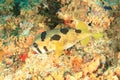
(60, 39)
(57, 40)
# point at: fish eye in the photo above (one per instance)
(35, 45)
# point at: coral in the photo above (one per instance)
(96, 58)
(117, 71)
(77, 62)
(16, 9)
(49, 9)
(26, 27)
(2, 53)
(108, 2)
(90, 67)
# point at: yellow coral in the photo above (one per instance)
(69, 77)
(117, 70)
(1, 54)
(49, 77)
(78, 75)
(90, 67)
(57, 76)
(77, 62)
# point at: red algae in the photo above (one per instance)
(23, 57)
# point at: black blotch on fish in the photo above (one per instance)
(64, 30)
(36, 46)
(45, 48)
(43, 35)
(55, 37)
(78, 31)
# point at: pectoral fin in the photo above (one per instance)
(59, 49)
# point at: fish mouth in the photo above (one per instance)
(33, 49)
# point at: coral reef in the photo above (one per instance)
(93, 58)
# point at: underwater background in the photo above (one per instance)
(24, 23)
